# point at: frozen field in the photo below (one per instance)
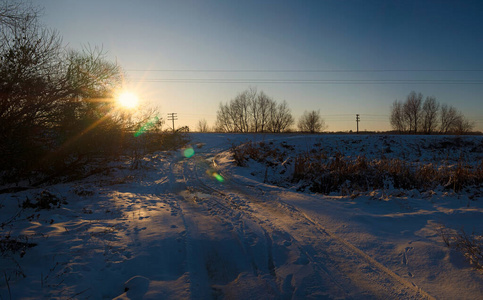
(193, 225)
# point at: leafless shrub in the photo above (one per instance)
(80, 191)
(300, 164)
(461, 176)
(202, 125)
(311, 122)
(239, 156)
(470, 245)
(44, 200)
(12, 245)
(250, 150)
(261, 152)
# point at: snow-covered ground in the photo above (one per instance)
(196, 226)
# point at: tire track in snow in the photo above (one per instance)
(225, 203)
(217, 254)
(289, 209)
(197, 282)
(270, 231)
(304, 257)
(368, 258)
(222, 211)
(193, 177)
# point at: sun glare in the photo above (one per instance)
(128, 100)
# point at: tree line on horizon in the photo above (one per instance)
(256, 112)
(417, 116)
(253, 111)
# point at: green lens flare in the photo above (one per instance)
(150, 124)
(188, 152)
(218, 177)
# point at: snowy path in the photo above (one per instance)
(259, 241)
(173, 231)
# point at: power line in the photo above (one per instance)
(313, 81)
(302, 70)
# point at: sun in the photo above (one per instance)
(128, 100)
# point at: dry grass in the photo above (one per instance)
(261, 152)
(364, 174)
(470, 245)
(326, 174)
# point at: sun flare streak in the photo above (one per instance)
(128, 100)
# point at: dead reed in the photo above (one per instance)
(323, 173)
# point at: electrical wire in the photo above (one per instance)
(302, 70)
(311, 81)
(308, 81)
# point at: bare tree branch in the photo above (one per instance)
(311, 122)
(430, 115)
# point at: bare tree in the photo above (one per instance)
(398, 119)
(453, 121)
(260, 106)
(413, 115)
(202, 125)
(412, 110)
(264, 105)
(448, 118)
(224, 122)
(463, 125)
(430, 115)
(14, 13)
(241, 106)
(237, 115)
(91, 80)
(31, 82)
(280, 117)
(232, 116)
(49, 96)
(250, 111)
(311, 122)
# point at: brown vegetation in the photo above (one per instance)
(470, 245)
(324, 173)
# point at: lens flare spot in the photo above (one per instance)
(147, 126)
(218, 177)
(188, 152)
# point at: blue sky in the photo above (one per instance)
(160, 41)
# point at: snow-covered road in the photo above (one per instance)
(263, 247)
(196, 227)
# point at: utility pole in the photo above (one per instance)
(172, 117)
(357, 120)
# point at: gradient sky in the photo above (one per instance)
(170, 51)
